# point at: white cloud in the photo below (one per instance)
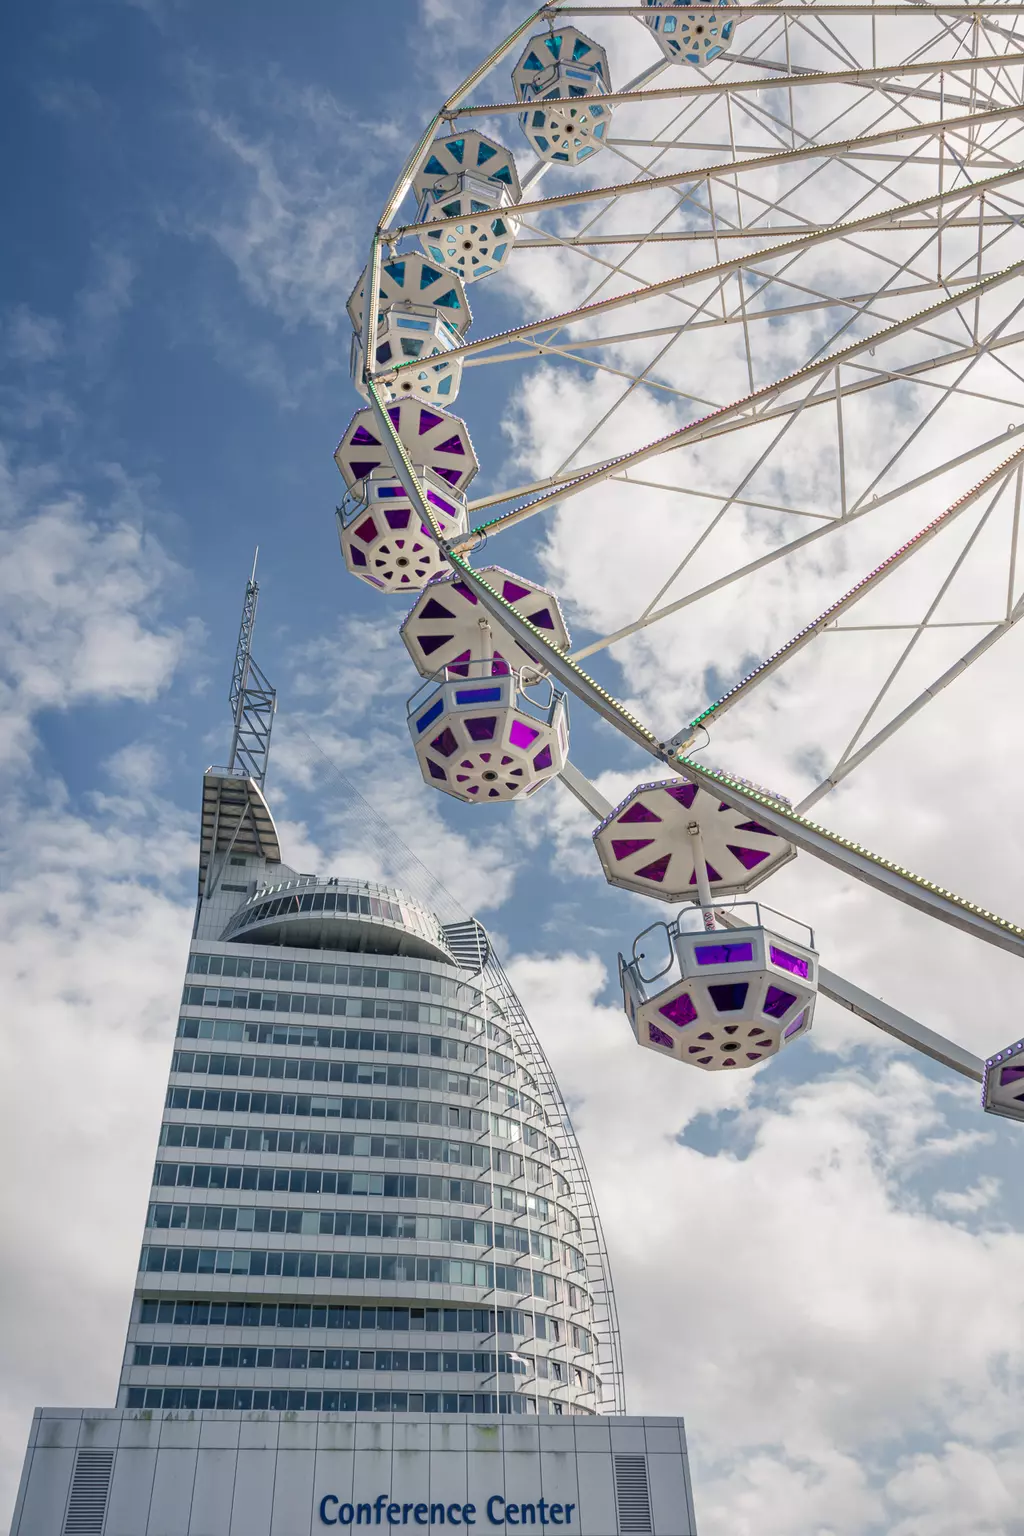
(30, 338)
(350, 731)
(79, 596)
(91, 957)
(964, 1202)
(814, 1321)
(287, 224)
(94, 922)
(844, 1342)
(102, 301)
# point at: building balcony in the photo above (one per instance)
(356, 916)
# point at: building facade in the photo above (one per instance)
(367, 1195)
(372, 1286)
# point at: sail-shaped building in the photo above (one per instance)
(372, 1286)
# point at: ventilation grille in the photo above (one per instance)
(632, 1494)
(90, 1490)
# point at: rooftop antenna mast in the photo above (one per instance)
(253, 700)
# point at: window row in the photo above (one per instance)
(321, 1036)
(244, 1357)
(350, 1266)
(467, 1362)
(393, 1224)
(244, 1399)
(347, 902)
(325, 1106)
(417, 1149)
(328, 1181)
(191, 1313)
(400, 1010)
(322, 973)
(306, 1069)
(329, 1106)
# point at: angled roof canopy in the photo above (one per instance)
(235, 816)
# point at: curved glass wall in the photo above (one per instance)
(367, 1195)
(356, 915)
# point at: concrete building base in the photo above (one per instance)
(138, 1472)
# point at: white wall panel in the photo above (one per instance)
(131, 1490)
(47, 1493)
(171, 1503)
(254, 1490)
(213, 1492)
(293, 1491)
(186, 1476)
(559, 1482)
(669, 1507)
(597, 1495)
(447, 1477)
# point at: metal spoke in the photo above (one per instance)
(785, 550)
(842, 200)
(756, 163)
(919, 630)
(906, 714)
(754, 407)
(715, 426)
(826, 619)
(721, 268)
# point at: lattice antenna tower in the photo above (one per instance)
(253, 699)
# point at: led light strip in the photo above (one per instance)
(871, 868)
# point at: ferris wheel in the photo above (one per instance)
(752, 279)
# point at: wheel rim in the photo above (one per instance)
(853, 275)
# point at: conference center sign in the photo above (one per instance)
(496, 1511)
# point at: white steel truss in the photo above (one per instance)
(830, 216)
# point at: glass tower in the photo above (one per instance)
(367, 1193)
(372, 1272)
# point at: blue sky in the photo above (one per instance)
(187, 201)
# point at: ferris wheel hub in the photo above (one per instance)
(430, 436)
(720, 1001)
(695, 36)
(645, 843)
(383, 538)
(422, 311)
(444, 626)
(1003, 1088)
(464, 192)
(404, 332)
(483, 738)
(554, 76)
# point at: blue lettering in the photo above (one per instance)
(555, 1511)
(499, 1512)
(568, 1513)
